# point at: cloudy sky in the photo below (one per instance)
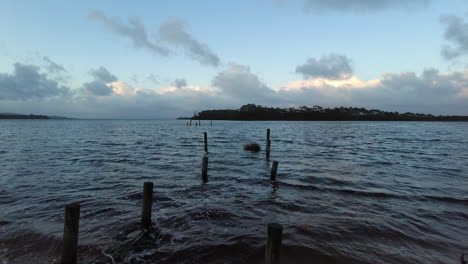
(163, 59)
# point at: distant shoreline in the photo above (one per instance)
(252, 112)
(40, 117)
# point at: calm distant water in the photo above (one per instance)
(347, 192)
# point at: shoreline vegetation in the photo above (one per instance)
(19, 116)
(253, 112)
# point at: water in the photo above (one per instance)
(346, 192)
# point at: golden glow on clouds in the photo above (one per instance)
(351, 83)
(191, 88)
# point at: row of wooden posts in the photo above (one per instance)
(198, 123)
(72, 217)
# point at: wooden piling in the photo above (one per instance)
(211, 123)
(199, 122)
(205, 169)
(274, 169)
(273, 247)
(70, 233)
(205, 135)
(147, 203)
(190, 122)
(268, 143)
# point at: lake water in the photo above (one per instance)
(346, 192)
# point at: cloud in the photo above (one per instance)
(53, 67)
(179, 83)
(101, 85)
(174, 32)
(430, 92)
(134, 31)
(361, 6)
(331, 66)
(171, 31)
(26, 82)
(103, 75)
(456, 33)
(239, 82)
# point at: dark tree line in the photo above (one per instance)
(17, 116)
(316, 113)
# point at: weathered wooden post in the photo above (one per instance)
(196, 124)
(205, 135)
(273, 247)
(70, 233)
(199, 122)
(211, 122)
(274, 169)
(147, 203)
(268, 143)
(190, 122)
(205, 169)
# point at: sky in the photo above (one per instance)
(164, 59)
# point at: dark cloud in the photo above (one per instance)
(26, 82)
(179, 83)
(53, 67)
(103, 75)
(153, 78)
(134, 31)
(456, 33)
(239, 82)
(174, 32)
(361, 6)
(99, 86)
(332, 66)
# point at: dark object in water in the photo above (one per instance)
(254, 147)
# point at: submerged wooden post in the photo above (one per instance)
(70, 233)
(190, 122)
(205, 169)
(268, 143)
(273, 246)
(205, 135)
(147, 203)
(274, 169)
(199, 122)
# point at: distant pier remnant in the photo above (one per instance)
(268, 143)
(273, 247)
(274, 169)
(205, 169)
(70, 233)
(205, 135)
(147, 203)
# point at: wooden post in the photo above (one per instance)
(205, 135)
(147, 203)
(196, 124)
(205, 169)
(274, 169)
(190, 122)
(211, 122)
(273, 247)
(268, 144)
(70, 233)
(199, 122)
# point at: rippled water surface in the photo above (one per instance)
(346, 192)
